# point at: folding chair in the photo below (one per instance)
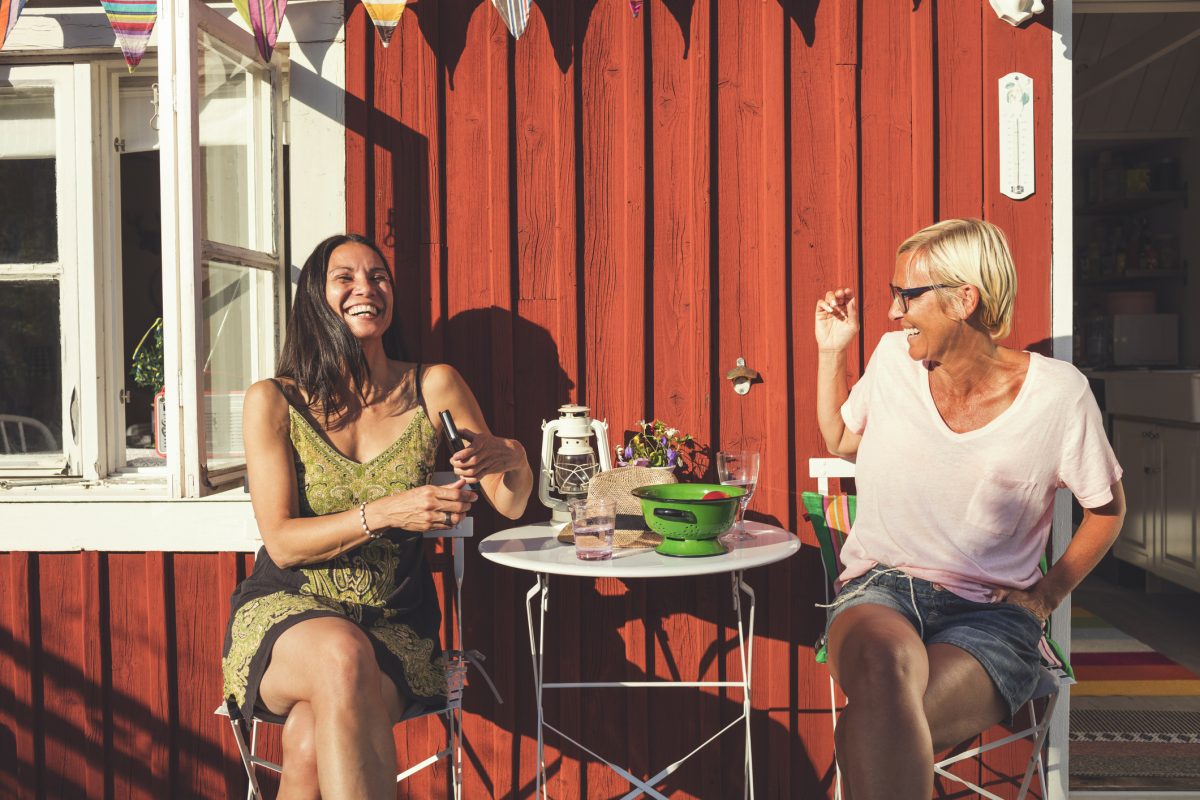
(831, 516)
(245, 732)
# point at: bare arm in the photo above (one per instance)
(836, 326)
(292, 540)
(498, 464)
(1091, 541)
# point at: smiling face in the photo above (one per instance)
(358, 287)
(931, 326)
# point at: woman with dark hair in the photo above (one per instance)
(336, 631)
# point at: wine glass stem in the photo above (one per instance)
(742, 504)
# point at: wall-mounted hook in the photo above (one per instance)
(742, 377)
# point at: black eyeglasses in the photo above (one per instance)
(902, 296)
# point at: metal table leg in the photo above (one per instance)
(745, 627)
(541, 586)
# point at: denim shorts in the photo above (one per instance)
(1003, 637)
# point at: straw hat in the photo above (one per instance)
(617, 485)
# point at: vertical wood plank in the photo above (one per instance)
(612, 133)
(824, 254)
(960, 109)
(94, 646)
(23, 678)
(924, 115)
(1026, 222)
(750, 223)
(199, 630)
(478, 248)
(359, 190)
(60, 604)
(682, 621)
(546, 360)
(887, 169)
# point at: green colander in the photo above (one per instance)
(689, 525)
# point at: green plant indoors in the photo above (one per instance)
(146, 364)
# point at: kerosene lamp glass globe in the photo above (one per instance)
(573, 468)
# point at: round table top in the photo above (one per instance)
(536, 548)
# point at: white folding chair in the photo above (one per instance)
(1055, 671)
(245, 732)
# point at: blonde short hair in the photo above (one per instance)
(969, 252)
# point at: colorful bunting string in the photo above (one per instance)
(636, 7)
(515, 14)
(386, 16)
(265, 18)
(132, 21)
(9, 11)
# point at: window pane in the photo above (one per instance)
(29, 233)
(236, 149)
(30, 368)
(239, 348)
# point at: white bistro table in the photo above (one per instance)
(536, 549)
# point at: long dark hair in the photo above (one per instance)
(320, 354)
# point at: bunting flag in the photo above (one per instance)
(386, 16)
(265, 18)
(9, 11)
(636, 7)
(515, 14)
(132, 21)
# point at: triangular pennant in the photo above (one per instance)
(132, 21)
(636, 7)
(515, 14)
(386, 16)
(9, 11)
(265, 18)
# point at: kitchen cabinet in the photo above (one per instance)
(1162, 493)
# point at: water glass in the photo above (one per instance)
(593, 521)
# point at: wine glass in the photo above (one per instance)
(739, 468)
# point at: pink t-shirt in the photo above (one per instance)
(970, 511)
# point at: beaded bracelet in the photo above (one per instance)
(362, 514)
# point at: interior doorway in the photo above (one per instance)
(1135, 714)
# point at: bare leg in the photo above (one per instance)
(882, 738)
(299, 778)
(330, 664)
(961, 701)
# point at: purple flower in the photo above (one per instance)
(664, 441)
(628, 452)
(672, 454)
(641, 462)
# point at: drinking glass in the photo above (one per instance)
(739, 468)
(593, 521)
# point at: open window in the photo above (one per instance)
(222, 224)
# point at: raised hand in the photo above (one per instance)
(836, 322)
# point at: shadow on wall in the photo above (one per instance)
(444, 24)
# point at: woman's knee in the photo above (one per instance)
(877, 653)
(349, 667)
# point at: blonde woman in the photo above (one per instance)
(960, 444)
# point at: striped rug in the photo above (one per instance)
(1110, 662)
(1135, 714)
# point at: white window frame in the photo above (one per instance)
(72, 143)
(183, 245)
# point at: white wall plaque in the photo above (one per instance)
(1016, 136)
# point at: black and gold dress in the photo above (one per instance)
(384, 586)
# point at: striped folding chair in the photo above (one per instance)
(831, 516)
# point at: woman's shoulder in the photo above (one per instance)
(267, 402)
(439, 379)
(1056, 374)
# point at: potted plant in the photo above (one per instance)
(146, 371)
(656, 444)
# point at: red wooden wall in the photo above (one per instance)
(611, 211)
